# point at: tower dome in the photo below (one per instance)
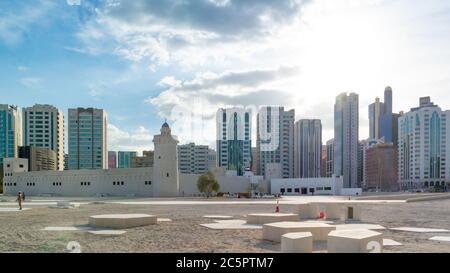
(165, 129)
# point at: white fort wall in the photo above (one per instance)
(83, 183)
(139, 182)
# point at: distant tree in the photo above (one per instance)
(207, 183)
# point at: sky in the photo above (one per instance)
(146, 61)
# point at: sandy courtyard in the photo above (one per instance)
(22, 231)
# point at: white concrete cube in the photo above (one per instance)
(333, 211)
(266, 218)
(355, 241)
(274, 231)
(297, 242)
(120, 221)
(308, 211)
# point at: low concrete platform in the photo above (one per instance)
(420, 230)
(120, 221)
(274, 231)
(297, 242)
(218, 216)
(355, 241)
(230, 225)
(64, 205)
(266, 218)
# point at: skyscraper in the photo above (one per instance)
(346, 118)
(381, 118)
(87, 139)
(381, 167)
(275, 140)
(330, 158)
(308, 148)
(124, 159)
(10, 131)
(39, 158)
(112, 159)
(423, 147)
(43, 126)
(193, 159)
(234, 144)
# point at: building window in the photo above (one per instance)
(167, 174)
(327, 188)
(122, 183)
(297, 190)
(282, 190)
(114, 183)
(289, 190)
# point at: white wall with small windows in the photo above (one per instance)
(80, 183)
(307, 186)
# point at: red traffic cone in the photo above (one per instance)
(277, 210)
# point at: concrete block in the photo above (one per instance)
(355, 241)
(351, 212)
(297, 242)
(120, 221)
(274, 231)
(266, 218)
(308, 211)
(333, 211)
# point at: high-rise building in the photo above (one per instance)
(144, 161)
(193, 159)
(43, 126)
(10, 131)
(330, 155)
(381, 167)
(346, 126)
(212, 159)
(124, 159)
(423, 147)
(323, 172)
(39, 158)
(382, 122)
(308, 148)
(66, 162)
(87, 139)
(234, 139)
(112, 159)
(363, 146)
(275, 140)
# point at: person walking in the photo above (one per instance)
(20, 199)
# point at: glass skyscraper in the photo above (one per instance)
(87, 139)
(382, 122)
(124, 159)
(275, 140)
(423, 147)
(346, 126)
(234, 150)
(10, 131)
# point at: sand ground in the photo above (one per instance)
(22, 231)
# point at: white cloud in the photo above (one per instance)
(192, 105)
(31, 82)
(73, 2)
(22, 68)
(140, 139)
